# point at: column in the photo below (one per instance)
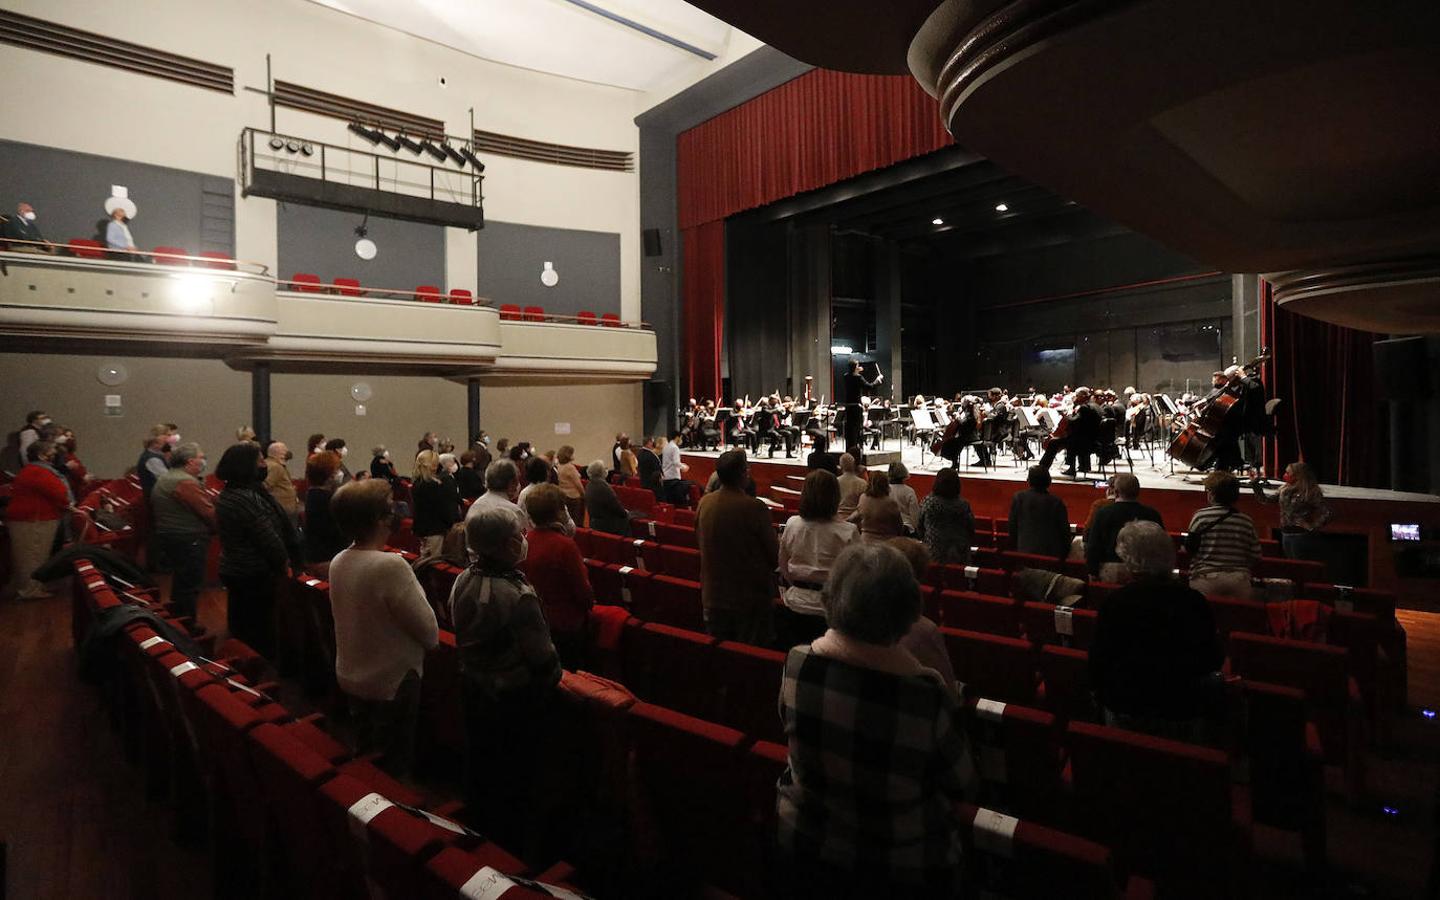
(472, 410)
(260, 402)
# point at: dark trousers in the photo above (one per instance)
(186, 554)
(677, 491)
(388, 727)
(1073, 453)
(754, 626)
(250, 611)
(504, 738)
(854, 430)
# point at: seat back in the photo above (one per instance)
(534, 313)
(1300, 571)
(676, 601)
(510, 312)
(348, 287)
(428, 293)
(586, 317)
(671, 667)
(610, 320)
(171, 256)
(995, 582)
(1321, 671)
(306, 282)
(1233, 615)
(680, 562)
(1068, 626)
(461, 297)
(750, 679)
(992, 666)
(1009, 857)
(1068, 693)
(216, 260)
(970, 611)
(86, 248)
(1017, 754)
(676, 535)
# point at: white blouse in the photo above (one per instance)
(807, 550)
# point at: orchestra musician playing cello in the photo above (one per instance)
(1078, 435)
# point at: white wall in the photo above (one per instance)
(96, 109)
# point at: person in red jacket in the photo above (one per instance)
(75, 471)
(556, 570)
(39, 500)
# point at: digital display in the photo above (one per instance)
(1404, 531)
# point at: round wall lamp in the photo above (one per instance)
(548, 276)
(112, 373)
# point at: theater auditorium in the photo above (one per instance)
(653, 449)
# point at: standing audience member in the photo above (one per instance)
(1303, 512)
(382, 466)
(946, 523)
(557, 570)
(626, 457)
(75, 471)
(509, 672)
(647, 466)
(337, 447)
(672, 470)
(257, 545)
(877, 752)
(819, 457)
(607, 513)
(470, 481)
(481, 449)
(738, 555)
(808, 547)
(183, 517)
(1105, 525)
(923, 640)
(502, 489)
(35, 422)
(323, 538)
(1039, 522)
(877, 513)
(1155, 651)
(278, 481)
(437, 504)
(537, 475)
(383, 626)
(245, 435)
(1223, 545)
(151, 464)
(904, 495)
(852, 486)
(572, 487)
(39, 501)
(314, 445)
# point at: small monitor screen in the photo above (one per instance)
(1404, 531)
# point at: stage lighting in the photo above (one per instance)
(841, 350)
(454, 155)
(472, 159)
(371, 136)
(1000, 207)
(433, 150)
(364, 247)
(408, 144)
(387, 140)
(937, 221)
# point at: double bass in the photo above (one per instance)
(1195, 444)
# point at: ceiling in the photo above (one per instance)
(638, 44)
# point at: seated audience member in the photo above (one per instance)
(877, 821)
(1223, 545)
(383, 626)
(502, 489)
(257, 545)
(607, 513)
(1100, 503)
(382, 466)
(470, 481)
(35, 422)
(877, 513)
(183, 518)
(278, 481)
(946, 523)
(437, 504)
(39, 501)
(323, 538)
(1105, 526)
(672, 472)
(808, 546)
(852, 486)
(738, 555)
(1303, 513)
(557, 570)
(337, 447)
(904, 495)
(117, 230)
(22, 227)
(537, 474)
(820, 458)
(572, 486)
(648, 468)
(1039, 522)
(1156, 650)
(509, 671)
(923, 640)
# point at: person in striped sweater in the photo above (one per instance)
(1228, 548)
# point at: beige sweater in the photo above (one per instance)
(383, 623)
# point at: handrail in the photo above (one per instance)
(560, 319)
(330, 289)
(54, 248)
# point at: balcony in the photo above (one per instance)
(562, 346)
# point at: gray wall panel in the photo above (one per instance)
(322, 242)
(588, 262)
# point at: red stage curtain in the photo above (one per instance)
(1330, 416)
(815, 130)
(703, 295)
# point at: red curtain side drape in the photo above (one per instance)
(815, 130)
(1329, 416)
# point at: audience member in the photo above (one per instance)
(1105, 525)
(278, 481)
(852, 486)
(39, 501)
(502, 489)
(428, 441)
(606, 512)
(923, 640)
(904, 495)
(337, 447)
(877, 753)
(314, 445)
(483, 458)
(1303, 512)
(323, 538)
(572, 486)
(1222, 542)
(1039, 522)
(28, 435)
(245, 435)
(382, 466)
(738, 555)
(117, 230)
(437, 504)
(877, 513)
(820, 458)
(538, 472)
(672, 470)
(808, 547)
(151, 464)
(68, 463)
(625, 458)
(1156, 651)
(509, 671)
(648, 467)
(1101, 502)
(946, 523)
(257, 545)
(183, 517)
(468, 479)
(383, 626)
(22, 227)
(557, 570)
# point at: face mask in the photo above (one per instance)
(42, 422)
(173, 439)
(200, 469)
(29, 216)
(1288, 478)
(485, 440)
(289, 455)
(343, 451)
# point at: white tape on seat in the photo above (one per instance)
(1064, 620)
(365, 809)
(246, 688)
(972, 572)
(639, 542)
(186, 666)
(626, 570)
(311, 582)
(1074, 529)
(486, 884)
(990, 710)
(152, 641)
(995, 832)
(651, 525)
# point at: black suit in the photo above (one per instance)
(1082, 440)
(20, 229)
(855, 388)
(1105, 527)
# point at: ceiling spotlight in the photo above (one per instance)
(371, 136)
(387, 140)
(408, 144)
(433, 150)
(472, 159)
(937, 221)
(453, 154)
(1000, 207)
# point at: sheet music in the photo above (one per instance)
(1053, 415)
(922, 420)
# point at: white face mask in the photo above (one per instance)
(29, 216)
(343, 451)
(524, 550)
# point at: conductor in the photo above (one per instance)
(855, 388)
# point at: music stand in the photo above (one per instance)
(924, 425)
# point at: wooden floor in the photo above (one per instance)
(77, 823)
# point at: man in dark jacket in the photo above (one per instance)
(1039, 522)
(738, 555)
(22, 227)
(1100, 555)
(1083, 438)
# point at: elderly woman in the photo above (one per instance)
(382, 466)
(557, 570)
(607, 513)
(383, 625)
(865, 804)
(39, 500)
(904, 495)
(509, 671)
(877, 514)
(946, 523)
(322, 536)
(1155, 649)
(537, 474)
(257, 545)
(808, 547)
(437, 503)
(567, 475)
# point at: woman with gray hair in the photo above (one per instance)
(606, 512)
(878, 819)
(1156, 652)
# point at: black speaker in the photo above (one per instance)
(657, 395)
(651, 238)
(1401, 369)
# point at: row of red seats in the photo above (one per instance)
(87, 248)
(309, 283)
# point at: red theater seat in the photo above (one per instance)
(171, 256)
(306, 282)
(86, 248)
(671, 667)
(676, 535)
(680, 562)
(995, 582)
(1239, 615)
(610, 320)
(676, 601)
(348, 287)
(509, 312)
(1067, 626)
(216, 260)
(1066, 672)
(461, 297)
(977, 612)
(750, 681)
(454, 873)
(586, 317)
(534, 313)
(1017, 752)
(428, 293)
(993, 666)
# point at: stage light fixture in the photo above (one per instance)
(1000, 207)
(454, 155)
(433, 150)
(293, 146)
(411, 145)
(371, 136)
(937, 221)
(387, 140)
(277, 143)
(307, 149)
(472, 159)
(364, 247)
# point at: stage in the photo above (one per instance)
(1358, 511)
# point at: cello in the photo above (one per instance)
(1195, 444)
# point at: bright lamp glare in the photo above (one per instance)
(1000, 207)
(937, 221)
(841, 350)
(192, 293)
